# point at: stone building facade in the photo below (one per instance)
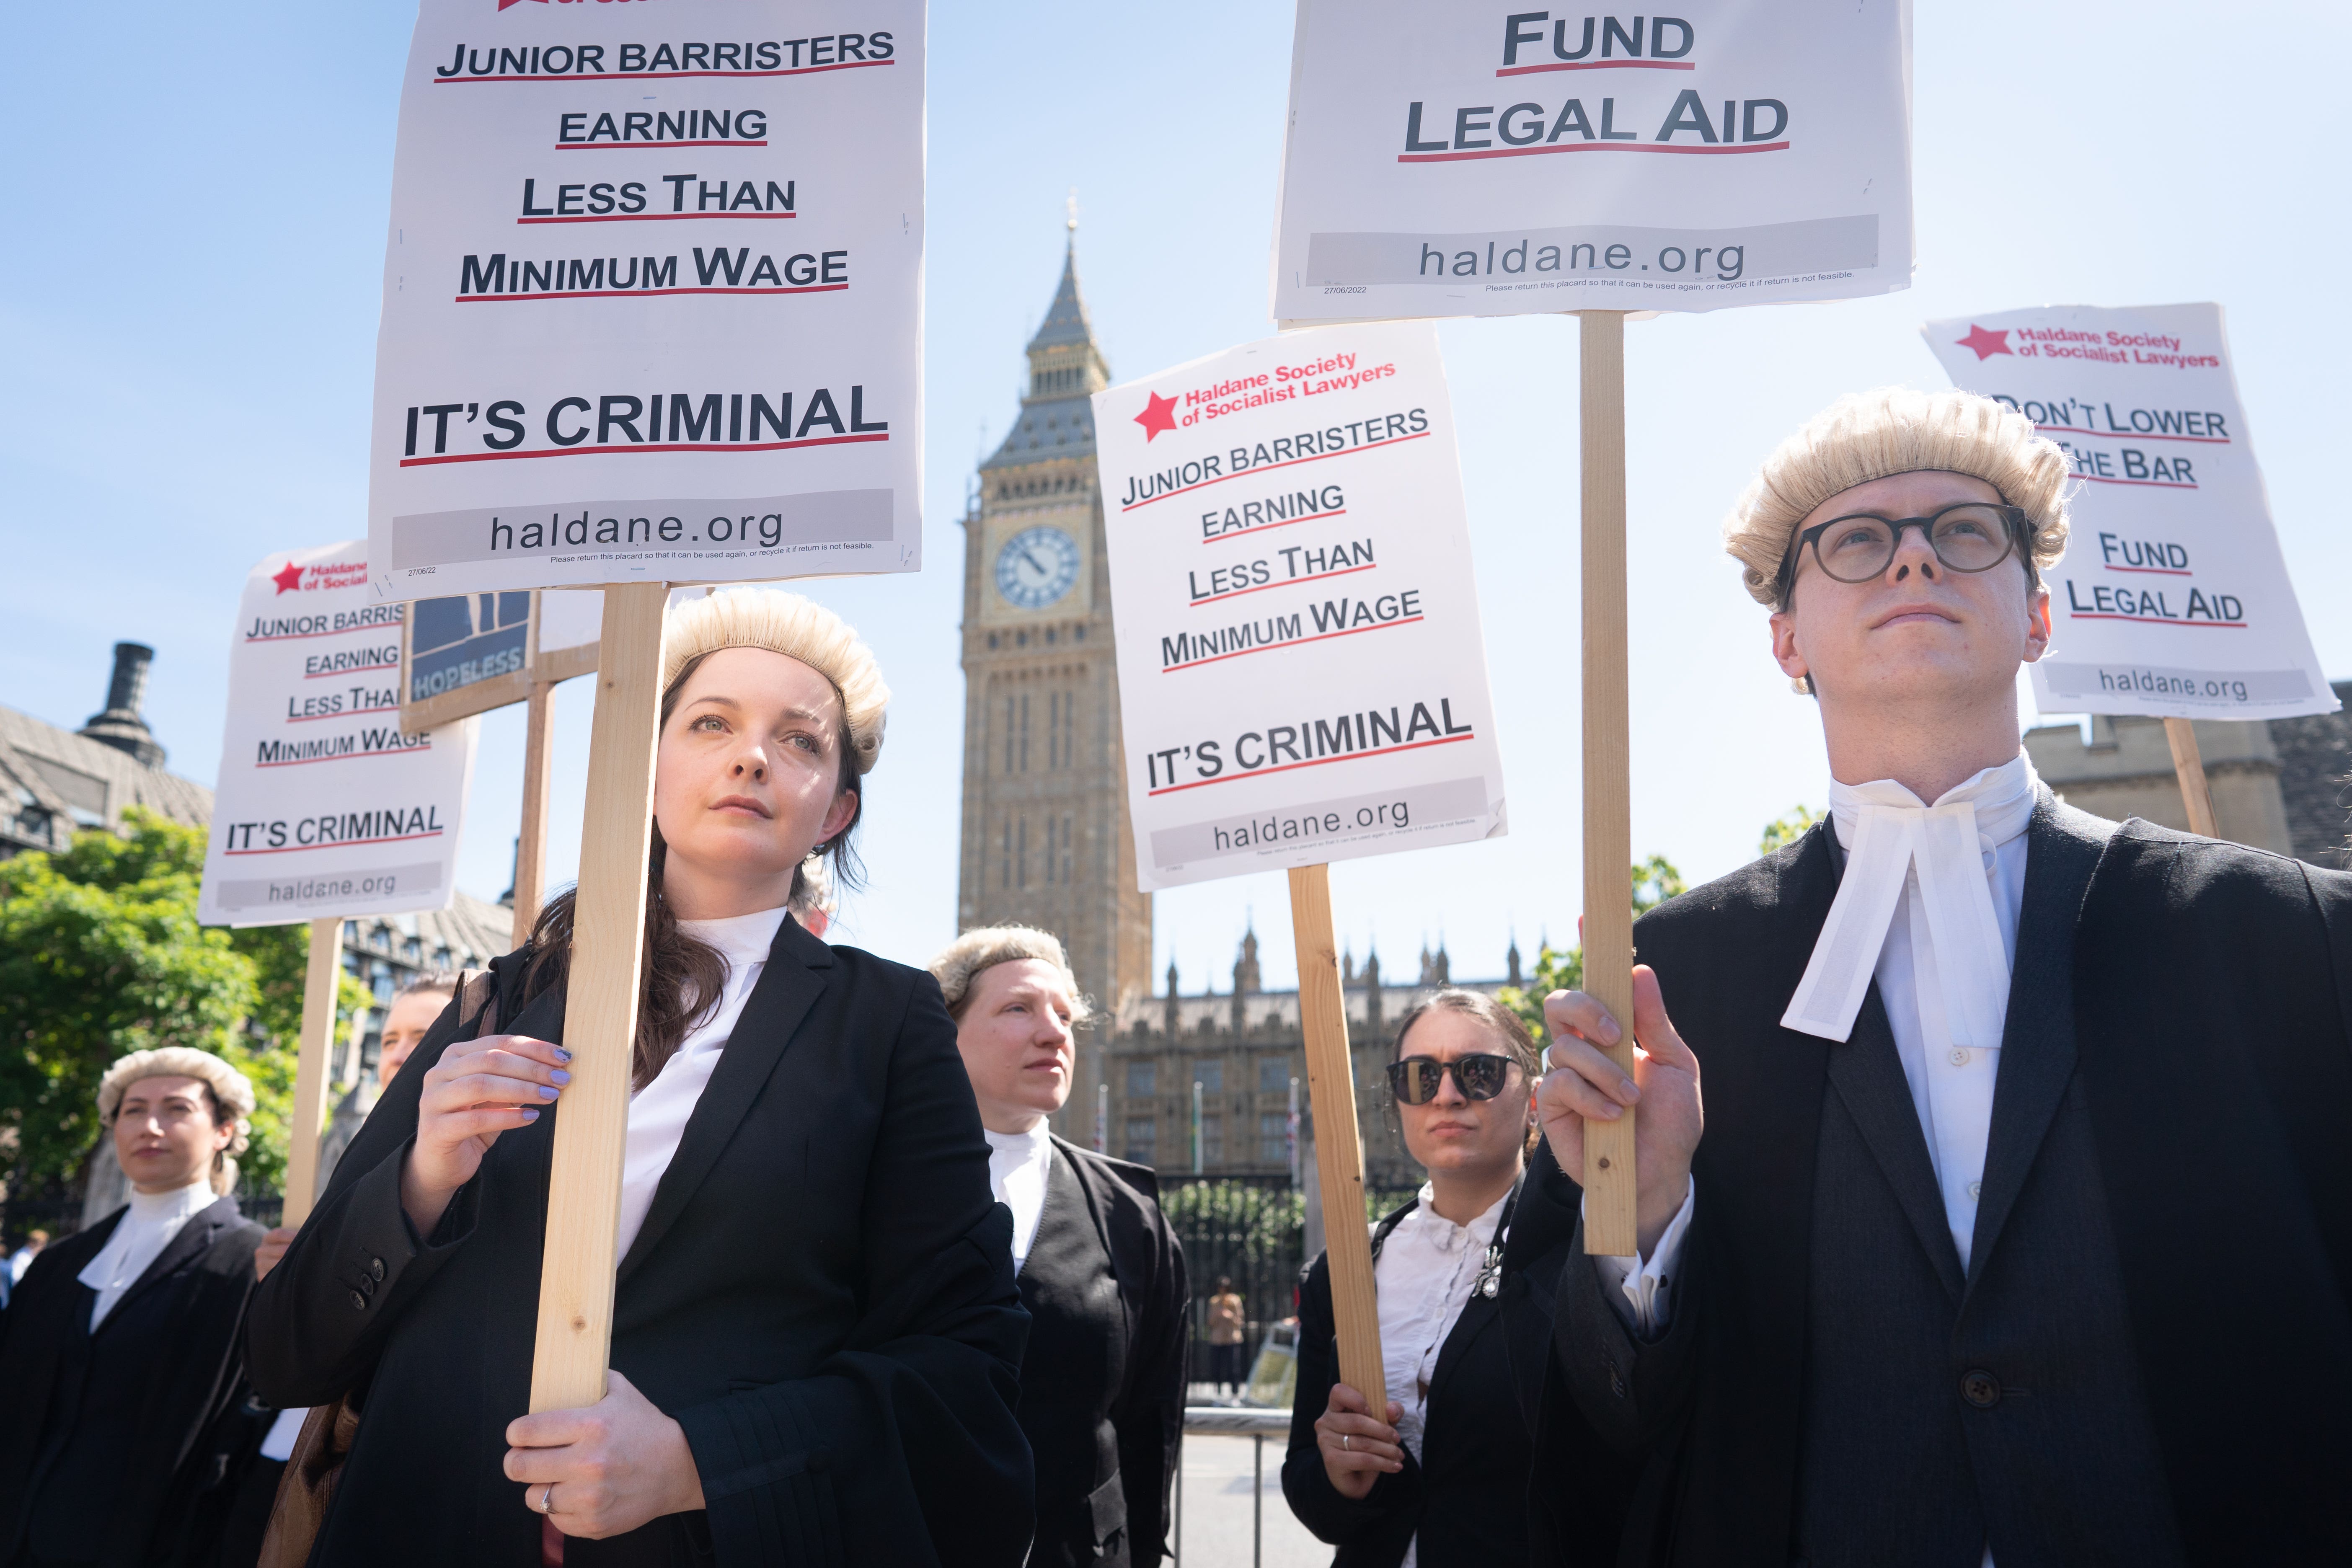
(1243, 1049)
(1046, 840)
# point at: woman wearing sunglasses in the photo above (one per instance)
(1436, 1477)
(816, 1336)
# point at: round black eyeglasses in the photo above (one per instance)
(1974, 536)
(1415, 1080)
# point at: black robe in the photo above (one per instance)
(1467, 1495)
(118, 1447)
(822, 1295)
(2177, 1063)
(1102, 1382)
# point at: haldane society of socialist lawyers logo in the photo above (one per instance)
(1985, 343)
(1157, 415)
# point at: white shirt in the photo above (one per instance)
(1422, 1280)
(659, 1112)
(139, 1238)
(1018, 1164)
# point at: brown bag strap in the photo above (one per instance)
(308, 1485)
(479, 996)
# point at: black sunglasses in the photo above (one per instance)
(1415, 1080)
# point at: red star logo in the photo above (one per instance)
(288, 580)
(1157, 415)
(1986, 344)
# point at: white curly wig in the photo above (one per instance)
(798, 628)
(959, 964)
(1869, 436)
(232, 1094)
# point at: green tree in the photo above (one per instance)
(1656, 880)
(101, 955)
(1786, 830)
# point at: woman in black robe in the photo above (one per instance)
(816, 1336)
(1102, 1389)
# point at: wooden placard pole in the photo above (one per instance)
(319, 977)
(1610, 1229)
(2190, 764)
(530, 849)
(583, 1205)
(1339, 1148)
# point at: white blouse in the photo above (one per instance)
(140, 1238)
(1422, 1279)
(659, 1112)
(1018, 1164)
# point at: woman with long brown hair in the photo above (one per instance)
(816, 1334)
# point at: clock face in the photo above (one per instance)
(1036, 567)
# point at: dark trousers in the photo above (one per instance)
(1229, 1366)
(248, 1515)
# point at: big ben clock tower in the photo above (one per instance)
(1046, 835)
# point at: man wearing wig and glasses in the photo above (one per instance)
(2017, 1228)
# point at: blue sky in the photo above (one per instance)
(197, 198)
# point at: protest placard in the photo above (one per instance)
(1739, 153)
(1487, 161)
(325, 807)
(651, 314)
(1301, 668)
(651, 296)
(2172, 599)
(1299, 655)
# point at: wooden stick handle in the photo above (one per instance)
(600, 1009)
(1339, 1150)
(531, 852)
(2190, 764)
(1610, 1228)
(311, 1068)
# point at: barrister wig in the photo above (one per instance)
(798, 628)
(231, 1090)
(961, 961)
(1869, 436)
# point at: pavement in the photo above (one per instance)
(1215, 1508)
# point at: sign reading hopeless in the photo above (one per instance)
(325, 807)
(2173, 598)
(651, 300)
(1482, 160)
(1299, 655)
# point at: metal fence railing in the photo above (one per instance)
(1217, 1421)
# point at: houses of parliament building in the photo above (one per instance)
(1179, 1082)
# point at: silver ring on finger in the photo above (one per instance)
(547, 1499)
(1343, 1438)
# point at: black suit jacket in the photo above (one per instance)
(1105, 1455)
(822, 1295)
(1468, 1496)
(2208, 1036)
(173, 1398)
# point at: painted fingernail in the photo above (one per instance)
(546, 1093)
(530, 1116)
(563, 1054)
(1628, 1091)
(560, 1075)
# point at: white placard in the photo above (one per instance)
(2172, 598)
(1486, 160)
(652, 296)
(323, 807)
(1301, 674)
